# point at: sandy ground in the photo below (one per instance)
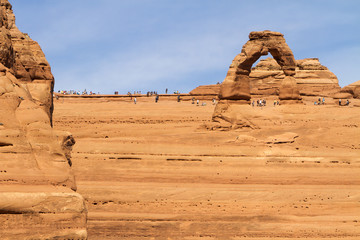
(153, 171)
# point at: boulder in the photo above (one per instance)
(342, 95)
(289, 90)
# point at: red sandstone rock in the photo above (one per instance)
(34, 157)
(288, 89)
(236, 85)
(25, 58)
(342, 95)
(206, 90)
(353, 89)
(313, 79)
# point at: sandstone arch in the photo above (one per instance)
(236, 85)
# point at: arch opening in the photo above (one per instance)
(236, 85)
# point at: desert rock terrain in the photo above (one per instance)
(311, 76)
(155, 170)
(178, 170)
(37, 187)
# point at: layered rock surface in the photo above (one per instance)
(150, 171)
(35, 174)
(235, 89)
(213, 89)
(24, 56)
(312, 78)
(236, 85)
(353, 89)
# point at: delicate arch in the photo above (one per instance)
(236, 85)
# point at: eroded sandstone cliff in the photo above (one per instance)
(37, 187)
(312, 78)
(25, 58)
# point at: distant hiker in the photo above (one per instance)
(178, 98)
(315, 103)
(278, 103)
(213, 101)
(166, 90)
(253, 103)
(323, 101)
(157, 98)
(135, 100)
(274, 103)
(339, 102)
(347, 102)
(197, 102)
(193, 100)
(264, 102)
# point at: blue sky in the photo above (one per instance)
(128, 45)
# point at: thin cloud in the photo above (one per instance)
(145, 44)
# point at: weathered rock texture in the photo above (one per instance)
(353, 89)
(213, 89)
(151, 171)
(236, 85)
(24, 56)
(34, 158)
(312, 78)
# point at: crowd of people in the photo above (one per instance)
(320, 101)
(258, 102)
(346, 103)
(262, 103)
(75, 92)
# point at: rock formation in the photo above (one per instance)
(37, 190)
(312, 78)
(213, 89)
(236, 85)
(353, 89)
(24, 56)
